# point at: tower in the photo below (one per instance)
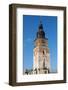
(41, 55)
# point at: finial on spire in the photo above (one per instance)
(40, 22)
(40, 25)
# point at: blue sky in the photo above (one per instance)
(30, 28)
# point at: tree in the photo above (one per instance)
(26, 71)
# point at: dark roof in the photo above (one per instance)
(40, 33)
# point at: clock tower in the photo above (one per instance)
(41, 55)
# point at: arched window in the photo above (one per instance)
(43, 53)
(44, 63)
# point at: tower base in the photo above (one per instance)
(41, 71)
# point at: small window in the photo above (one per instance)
(43, 52)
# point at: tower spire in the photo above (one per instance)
(40, 33)
(40, 24)
(41, 63)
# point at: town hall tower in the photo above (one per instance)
(41, 54)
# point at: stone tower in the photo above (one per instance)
(41, 55)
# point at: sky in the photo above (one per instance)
(30, 28)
